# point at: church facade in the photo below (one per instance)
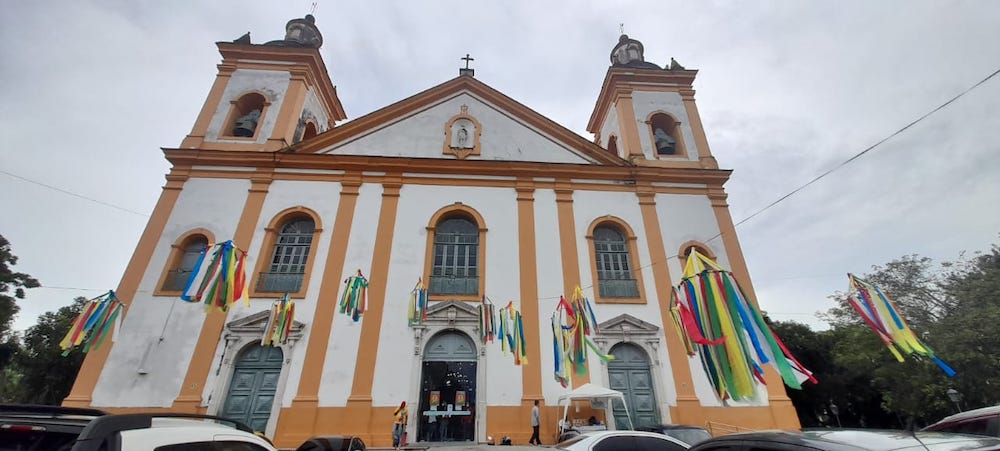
(459, 187)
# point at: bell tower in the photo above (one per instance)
(646, 114)
(268, 96)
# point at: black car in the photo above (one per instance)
(692, 435)
(848, 440)
(42, 427)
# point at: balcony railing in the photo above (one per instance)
(454, 285)
(176, 280)
(617, 284)
(275, 282)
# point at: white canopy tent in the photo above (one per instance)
(590, 392)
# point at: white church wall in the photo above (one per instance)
(314, 106)
(136, 345)
(271, 84)
(645, 103)
(587, 207)
(417, 203)
(345, 335)
(548, 261)
(422, 135)
(685, 218)
(322, 198)
(610, 127)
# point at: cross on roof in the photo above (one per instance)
(467, 59)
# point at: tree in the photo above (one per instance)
(46, 376)
(12, 286)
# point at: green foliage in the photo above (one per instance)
(12, 286)
(46, 376)
(952, 307)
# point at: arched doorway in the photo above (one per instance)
(253, 385)
(448, 388)
(629, 373)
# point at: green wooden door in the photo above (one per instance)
(253, 386)
(629, 373)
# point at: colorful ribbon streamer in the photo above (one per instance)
(882, 316)
(487, 321)
(220, 283)
(279, 323)
(354, 301)
(93, 324)
(418, 303)
(511, 333)
(572, 325)
(728, 332)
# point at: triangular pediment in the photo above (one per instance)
(460, 119)
(256, 323)
(628, 325)
(452, 312)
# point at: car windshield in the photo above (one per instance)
(689, 436)
(566, 443)
(15, 440)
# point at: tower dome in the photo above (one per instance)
(628, 53)
(301, 33)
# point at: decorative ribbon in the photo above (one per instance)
(279, 323)
(487, 321)
(572, 325)
(882, 316)
(220, 283)
(418, 303)
(93, 324)
(354, 301)
(719, 324)
(511, 333)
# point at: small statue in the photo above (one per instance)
(463, 137)
(247, 125)
(665, 144)
(674, 65)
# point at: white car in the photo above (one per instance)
(622, 441)
(168, 432)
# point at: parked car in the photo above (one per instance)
(985, 421)
(333, 443)
(53, 428)
(25, 427)
(622, 441)
(692, 435)
(848, 440)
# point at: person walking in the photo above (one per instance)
(536, 420)
(400, 417)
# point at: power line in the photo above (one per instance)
(863, 152)
(127, 210)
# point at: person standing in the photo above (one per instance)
(400, 417)
(536, 420)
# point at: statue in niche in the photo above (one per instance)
(460, 132)
(665, 144)
(246, 126)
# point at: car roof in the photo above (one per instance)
(595, 435)
(867, 439)
(970, 414)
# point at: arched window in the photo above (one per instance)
(246, 115)
(310, 131)
(666, 136)
(702, 249)
(614, 271)
(455, 266)
(613, 144)
(189, 252)
(291, 253)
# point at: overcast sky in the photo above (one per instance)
(89, 92)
